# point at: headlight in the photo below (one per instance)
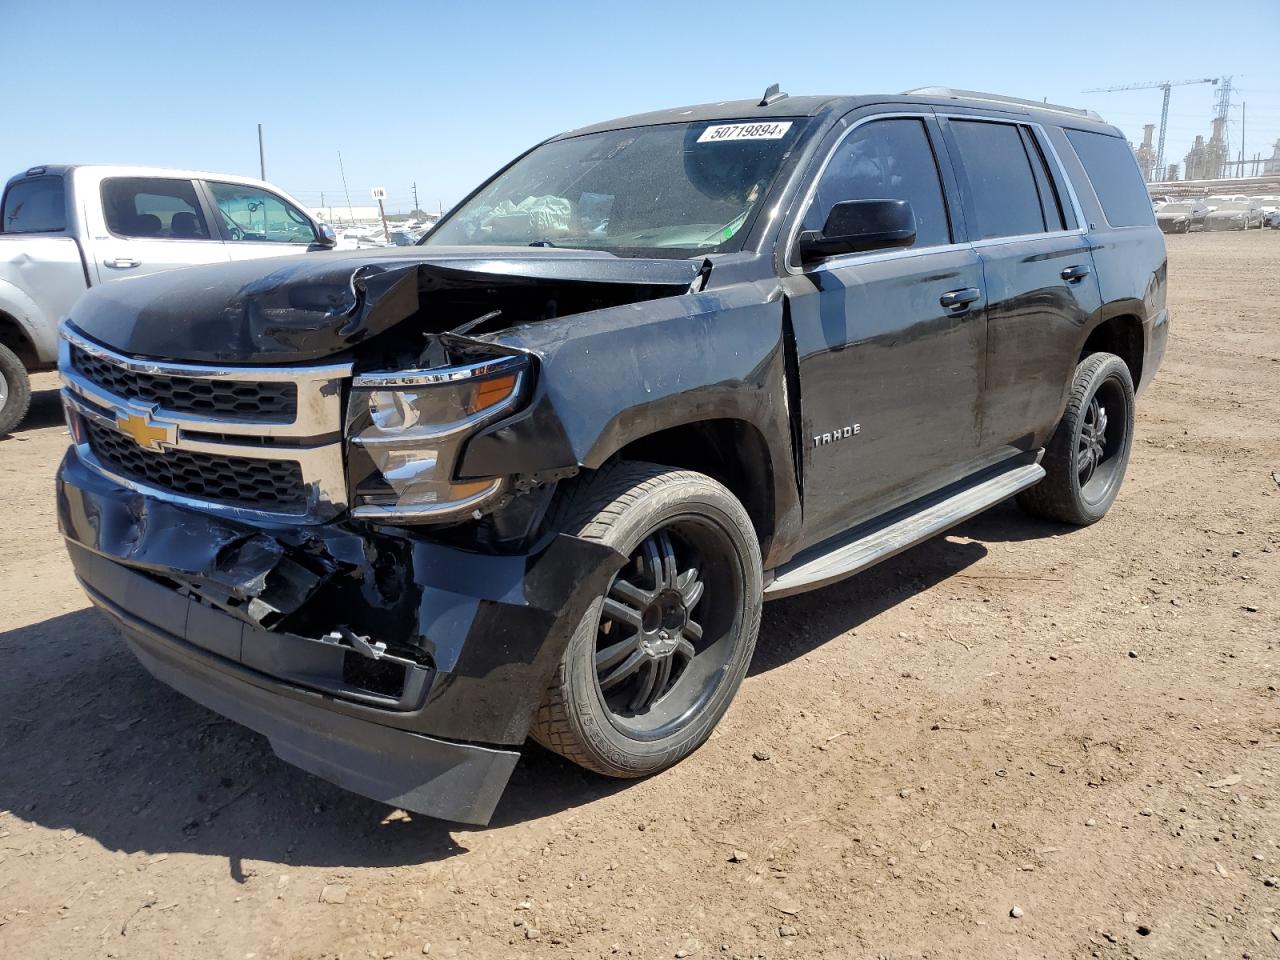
(405, 430)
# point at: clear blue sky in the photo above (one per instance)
(442, 94)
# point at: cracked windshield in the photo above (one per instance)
(681, 189)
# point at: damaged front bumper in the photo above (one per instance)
(398, 667)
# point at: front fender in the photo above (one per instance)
(608, 378)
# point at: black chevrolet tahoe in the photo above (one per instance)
(399, 510)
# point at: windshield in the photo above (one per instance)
(1232, 205)
(1175, 208)
(672, 190)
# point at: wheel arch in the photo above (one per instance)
(731, 451)
(14, 336)
(24, 327)
(1121, 333)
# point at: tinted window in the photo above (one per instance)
(35, 206)
(254, 215)
(1049, 201)
(1002, 184)
(155, 208)
(885, 160)
(1113, 171)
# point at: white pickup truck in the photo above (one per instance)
(65, 228)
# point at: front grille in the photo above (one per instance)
(237, 481)
(266, 401)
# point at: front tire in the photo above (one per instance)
(655, 663)
(15, 390)
(1086, 457)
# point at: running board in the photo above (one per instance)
(868, 544)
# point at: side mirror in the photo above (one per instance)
(325, 237)
(856, 225)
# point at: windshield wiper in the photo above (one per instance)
(541, 243)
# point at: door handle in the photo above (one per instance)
(1075, 273)
(958, 301)
(123, 263)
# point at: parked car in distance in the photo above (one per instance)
(64, 229)
(1273, 219)
(1266, 204)
(1157, 202)
(1216, 200)
(1181, 216)
(537, 475)
(1234, 215)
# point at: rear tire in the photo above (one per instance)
(655, 663)
(1086, 457)
(15, 390)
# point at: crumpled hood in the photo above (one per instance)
(303, 308)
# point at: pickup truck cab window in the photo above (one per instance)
(37, 205)
(1004, 188)
(670, 190)
(888, 159)
(252, 215)
(153, 208)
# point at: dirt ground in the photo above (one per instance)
(1082, 724)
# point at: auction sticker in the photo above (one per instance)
(745, 131)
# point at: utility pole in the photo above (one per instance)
(262, 157)
(415, 197)
(343, 171)
(1242, 106)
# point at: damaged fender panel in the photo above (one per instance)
(471, 639)
(611, 377)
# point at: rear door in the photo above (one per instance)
(150, 224)
(255, 222)
(1037, 263)
(889, 373)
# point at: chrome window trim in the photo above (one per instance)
(850, 259)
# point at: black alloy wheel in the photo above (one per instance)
(653, 664)
(659, 649)
(1086, 457)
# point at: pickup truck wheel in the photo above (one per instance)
(1087, 455)
(655, 662)
(15, 390)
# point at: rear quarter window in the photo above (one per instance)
(1113, 171)
(38, 205)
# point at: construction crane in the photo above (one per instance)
(1164, 85)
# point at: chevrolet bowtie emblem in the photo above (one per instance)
(145, 432)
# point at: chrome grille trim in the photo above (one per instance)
(313, 439)
(319, 404)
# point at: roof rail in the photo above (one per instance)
(997, 98)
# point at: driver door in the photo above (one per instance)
(890, 343)
(258, 223)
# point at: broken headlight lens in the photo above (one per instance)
(405, 430)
